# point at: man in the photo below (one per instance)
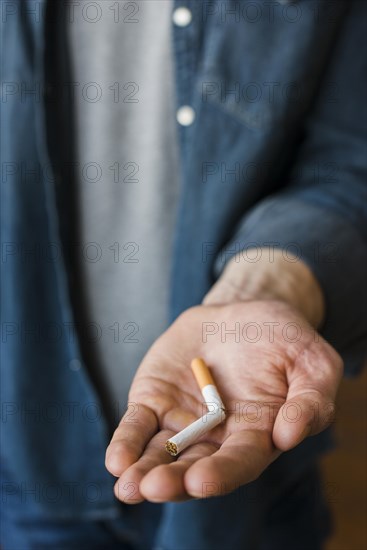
(244, 137)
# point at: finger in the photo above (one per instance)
(303, 415)
(137, 427)
(166, 482)
(241, 459)
(127, 488)
(310, 406)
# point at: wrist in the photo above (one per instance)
(273, 277)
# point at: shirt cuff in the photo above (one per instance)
(334, 251)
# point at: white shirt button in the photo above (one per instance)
(182, 16)
(185, 115)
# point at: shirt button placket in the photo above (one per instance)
(182, 17)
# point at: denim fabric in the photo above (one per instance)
(276, 512)
(306, 152)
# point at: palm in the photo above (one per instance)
(257, 370)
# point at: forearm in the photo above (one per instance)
(273, 277)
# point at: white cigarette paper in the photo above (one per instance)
(215, 411)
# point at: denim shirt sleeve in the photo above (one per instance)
(321, 214)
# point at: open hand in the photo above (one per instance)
(278, 380)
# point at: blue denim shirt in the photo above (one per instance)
(276, 154)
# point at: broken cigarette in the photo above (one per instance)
(208, 421)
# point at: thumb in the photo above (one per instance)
(310, 406)
(306, 414)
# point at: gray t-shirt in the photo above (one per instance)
(127, 177)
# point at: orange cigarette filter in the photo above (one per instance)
(202, 373)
